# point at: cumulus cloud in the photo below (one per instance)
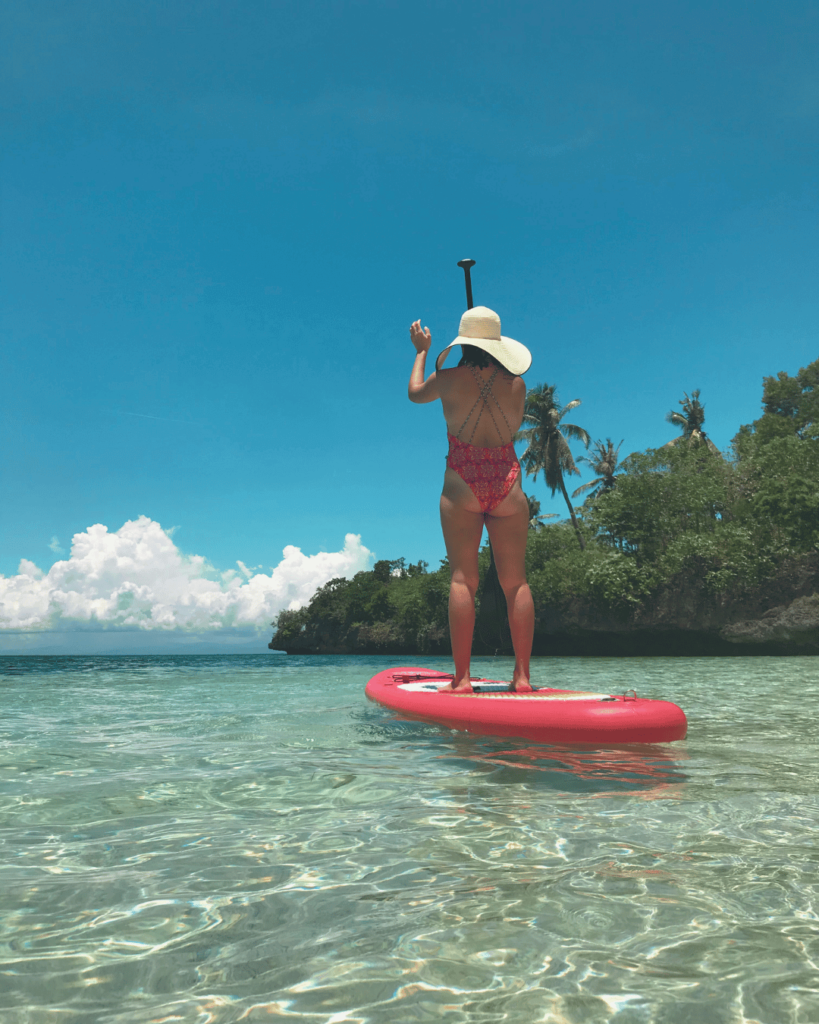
(56, 547)
(137, 579)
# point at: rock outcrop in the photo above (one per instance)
(794, 624)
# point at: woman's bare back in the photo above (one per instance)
(495, 418)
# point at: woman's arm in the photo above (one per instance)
(421, 390)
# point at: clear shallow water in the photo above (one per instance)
(188, 839)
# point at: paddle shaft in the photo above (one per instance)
(466, 265)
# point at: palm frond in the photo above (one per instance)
(535, 521)
(547, 448)
(585, 487)
(575, 433)
(692, 416)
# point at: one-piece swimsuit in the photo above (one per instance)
(489, 472)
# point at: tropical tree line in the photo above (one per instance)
(653, 520)
(547, 445)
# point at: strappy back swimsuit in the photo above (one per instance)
(490, 472)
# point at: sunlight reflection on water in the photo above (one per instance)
(200, 839)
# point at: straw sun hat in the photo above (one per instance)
(481, 327)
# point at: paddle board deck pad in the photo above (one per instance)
(546, 714)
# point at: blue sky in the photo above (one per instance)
(220, 218)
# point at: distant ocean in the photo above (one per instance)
(246, 838)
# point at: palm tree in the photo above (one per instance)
(535, 520)
(604, 463)
(690, 421)
(547, 448)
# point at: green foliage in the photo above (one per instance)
(791, 406)
(780, 485)
(545, 434)
(535, 516)
(560, 573)
(547, 449)
(684, 510)
(555, 565)
(729, 557)
(392, 607)
(603, 461)
(660, 495)
(692, 418)
(618, 580)
(290, 625)
(690, 421)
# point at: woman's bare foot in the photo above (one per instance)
(520, 684)
(464, 686)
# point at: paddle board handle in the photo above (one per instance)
(465, 265)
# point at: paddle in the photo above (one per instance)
(466, 265)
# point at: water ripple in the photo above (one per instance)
(178, 846)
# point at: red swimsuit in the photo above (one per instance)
(490, 472)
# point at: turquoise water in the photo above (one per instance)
(205, 839)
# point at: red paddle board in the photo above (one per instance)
(547, 714)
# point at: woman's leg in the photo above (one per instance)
(462, 535)
(508, 532)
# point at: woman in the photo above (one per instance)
(482, 398)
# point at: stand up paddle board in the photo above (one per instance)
(546, 714)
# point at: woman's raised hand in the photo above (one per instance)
(420, 337)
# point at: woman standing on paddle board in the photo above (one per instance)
(482, 398)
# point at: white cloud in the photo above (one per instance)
(137, 579)
(56, 547)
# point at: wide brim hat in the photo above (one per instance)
(481, 327)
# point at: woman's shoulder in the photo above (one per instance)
(517, 384)
(450, 375)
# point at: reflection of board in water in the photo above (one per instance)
(634, 767)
